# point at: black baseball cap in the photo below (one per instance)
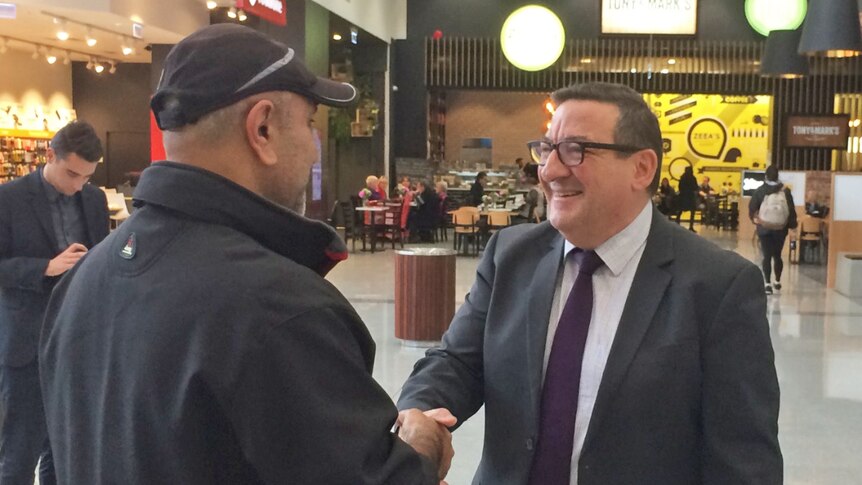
(224, 63)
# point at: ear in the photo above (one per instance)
(259, 132)
(645, 166)
(51, 155)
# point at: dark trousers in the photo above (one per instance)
(771, 243)
(23, 433)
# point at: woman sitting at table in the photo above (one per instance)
(667, 197)
(534, 201)
(370, 192)
(383, 187)
(425, 216)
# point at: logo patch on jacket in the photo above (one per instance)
(128, 251)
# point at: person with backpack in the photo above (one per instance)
(773, 211)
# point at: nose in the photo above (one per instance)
(554, 168)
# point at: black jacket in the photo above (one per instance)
(200, 344)
(757, 199)
(27, 244)
(474, 198)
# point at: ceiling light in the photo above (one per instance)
(780, 56)
(241, 16)
(62, 32)
(126, 47)
(671, 61)
(211, 4)
(50, 57)
(91, 41)
(113, 69)
(231, 12)
(634, 70)
(831, 29)
(90, 64)
(336, 36)
(98, 68)
(586, 60)
(665, 71)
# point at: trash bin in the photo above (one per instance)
(848, 275)
(424, 295)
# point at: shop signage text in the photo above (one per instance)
(274, 11)
(664, 17)
(828, 131)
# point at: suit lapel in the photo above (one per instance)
(650, 283)
(39, 203)
(542, 290)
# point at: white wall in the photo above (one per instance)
(385, 19)
(34, 82)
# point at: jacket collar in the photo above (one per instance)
(211, 198)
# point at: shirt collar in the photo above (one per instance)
(617, 251)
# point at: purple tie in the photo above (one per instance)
(553, 459)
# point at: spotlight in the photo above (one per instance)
(336, 36)
(98, 68)
(91, 41)
(62, 32)
(113, 69)
(51, 58)
(231, 12)
(671, 61)
(90, 64)
(241, 16)
(211, 4)
(127, 49)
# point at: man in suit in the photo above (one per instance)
(48, 221)
(636, 353)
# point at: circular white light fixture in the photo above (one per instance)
(231, 12)
(211, 4)
(336, 36)
(241, 16)
(671, 61)
(765, 16)
(51, 58)
(99, 68)
(532, 38)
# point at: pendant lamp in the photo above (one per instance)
(831, 29)
(780, 57)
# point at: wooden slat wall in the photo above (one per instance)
(724, 67)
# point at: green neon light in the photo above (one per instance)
(768, 15)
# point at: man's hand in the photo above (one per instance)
(64, 261)
(427, 434)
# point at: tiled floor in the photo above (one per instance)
(817, 335)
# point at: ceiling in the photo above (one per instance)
(35, 24)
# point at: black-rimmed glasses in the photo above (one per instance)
(571, 152)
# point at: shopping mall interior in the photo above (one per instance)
(449, 89)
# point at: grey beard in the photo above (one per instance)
(299, 205)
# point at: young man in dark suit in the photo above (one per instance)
(49, 219)
(608, 345)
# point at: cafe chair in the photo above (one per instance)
(466, 223)
(497, 220)
(353, 227)
(391, 226)
(810, 238)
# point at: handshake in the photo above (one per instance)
(427, 432)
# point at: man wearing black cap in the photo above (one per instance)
(200, 343)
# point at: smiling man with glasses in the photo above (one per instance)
(636, 352)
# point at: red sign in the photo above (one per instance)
(274, 11)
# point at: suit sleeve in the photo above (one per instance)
(452, 375)
(307, 409)
(25, 273)
(740, 389)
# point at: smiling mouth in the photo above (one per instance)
(565, 195)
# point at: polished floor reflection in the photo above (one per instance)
(816, 332)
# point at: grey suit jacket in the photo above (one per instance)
(27, 244)
(689, 393)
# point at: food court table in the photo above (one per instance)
(373, 209)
